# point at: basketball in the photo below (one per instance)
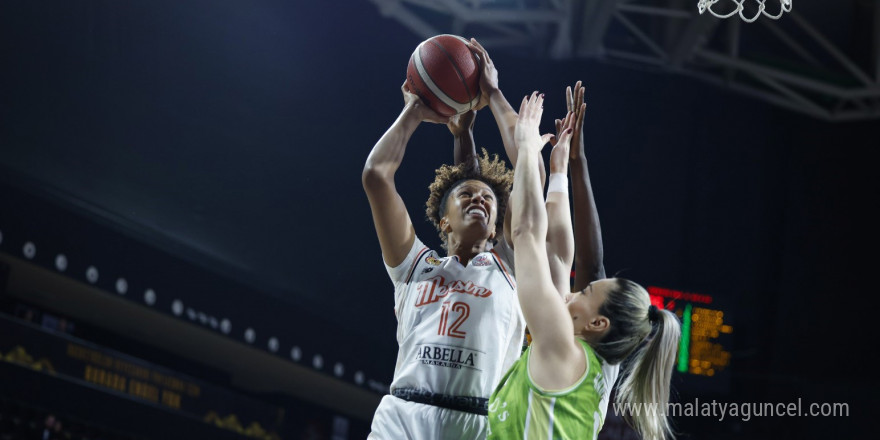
(445, 74)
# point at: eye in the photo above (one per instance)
(464, 194)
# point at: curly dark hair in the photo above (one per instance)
(490, 170)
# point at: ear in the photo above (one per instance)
(599, 324)
(444, 225)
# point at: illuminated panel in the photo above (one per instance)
(700, 351)
(683, 353)
(707, 356)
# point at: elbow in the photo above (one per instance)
(372, 176)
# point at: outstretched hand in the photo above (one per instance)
(526, 133)
(488, 73)
(561, 144)
(422, 111)
(575, 101)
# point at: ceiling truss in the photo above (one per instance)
(789, 62)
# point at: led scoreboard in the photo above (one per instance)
(704, 332)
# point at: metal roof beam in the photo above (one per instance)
(597, 16)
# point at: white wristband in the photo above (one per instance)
(558, 183)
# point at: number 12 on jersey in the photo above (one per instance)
(460, 312)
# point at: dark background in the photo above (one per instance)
(223, 141)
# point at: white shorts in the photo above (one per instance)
(398, 419)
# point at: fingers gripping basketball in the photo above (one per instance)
(445, 74)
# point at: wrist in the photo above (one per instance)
(577, 157)
(525, 150)
(410, 116)
(558, 183)
(577, 147)
(462, 133)
(493, 94)
(559, 169)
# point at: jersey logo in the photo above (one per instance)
(412, 271)
(494, 408)
(481, 260)
(436, 287)
(447, 356)
(433, 261)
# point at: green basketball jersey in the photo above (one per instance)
(520, 409)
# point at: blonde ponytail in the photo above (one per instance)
(647, 379)
(648, 339)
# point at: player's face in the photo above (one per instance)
(472, 207)
(584, 305)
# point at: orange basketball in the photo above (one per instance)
(445, 74)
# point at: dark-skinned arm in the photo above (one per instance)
(589, 257)
(462, 128)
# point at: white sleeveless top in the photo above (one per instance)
(459, 327)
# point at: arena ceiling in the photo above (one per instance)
(821, 58)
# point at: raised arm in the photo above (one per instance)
(505, 117)
(589, 261)
(560, 242)
(462, 128)
(553, 346)
(393, 225)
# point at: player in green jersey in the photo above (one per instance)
(560, 386)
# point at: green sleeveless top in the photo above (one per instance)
(520, 409)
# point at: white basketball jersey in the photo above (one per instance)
(459, 327)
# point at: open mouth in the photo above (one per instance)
(477, 212)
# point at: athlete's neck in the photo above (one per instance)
(465, 251)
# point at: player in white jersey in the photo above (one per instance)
(459, 329)
(459, 324)
(439, 391)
